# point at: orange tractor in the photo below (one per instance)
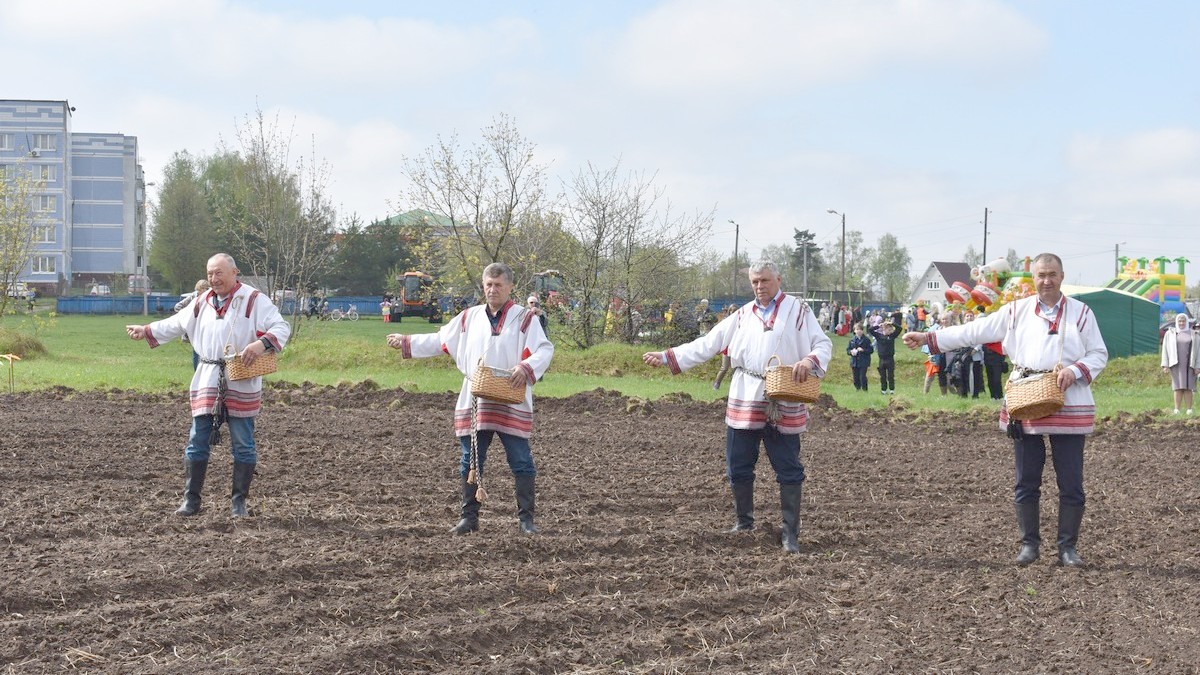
(416, 298)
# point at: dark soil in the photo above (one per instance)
(908, 539)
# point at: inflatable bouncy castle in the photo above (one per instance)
(996, 285)
(1152, 280)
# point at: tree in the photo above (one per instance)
(18, 222)
(708, 276)
(275, 213)
(858, 262)
(184, 234)
(890, 269)
(972, 257)
(807, 258)
(1015, 263)
(781, 255)
(631, 246)
(365, 257)
(541, 243)
(484, 192)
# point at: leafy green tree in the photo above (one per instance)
(273, 207)
(781, 255)
(807, 253)
(18, 220)
(365, 256)
(184, 234)
(890, 269)
(858, 262)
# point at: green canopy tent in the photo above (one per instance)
(1128, 322)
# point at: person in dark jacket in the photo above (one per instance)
(860, 351)
(995, 365)
(958, 371)
(885, 345)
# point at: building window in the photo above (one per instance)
(933, 285)
(6, 141)
(47, 203)
(43, 264)
(47, 173)
(7, 171)
(43, 234)
(43, 142)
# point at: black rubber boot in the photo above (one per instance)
(242, 475)
(1028, 519)
(470, 510)
(193, 483)
(789, 508)
(526, 501)
(743, 505)
(1069, 518)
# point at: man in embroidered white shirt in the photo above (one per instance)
(501, 335)
(1040, 333)
(775, 324)
(231, 317)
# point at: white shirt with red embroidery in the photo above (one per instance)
(468, 337)
(1024, 331)
(209, 331)
(750, 340)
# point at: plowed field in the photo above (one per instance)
(908, 537)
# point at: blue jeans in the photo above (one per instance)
(516, 450)
(1030, 453)
(741, 454)
(241, 439)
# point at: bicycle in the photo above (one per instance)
(350, 314)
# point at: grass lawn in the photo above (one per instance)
(93, 352)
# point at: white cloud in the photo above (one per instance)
(1154, 152)
(1151, 170)
(223, 42)
(787, 44)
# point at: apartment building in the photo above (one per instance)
(90, 210)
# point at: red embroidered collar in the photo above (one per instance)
(222, 307)
(497, 319)
(769, 323)
(1058, 314)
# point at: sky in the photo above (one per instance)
(1074, 124)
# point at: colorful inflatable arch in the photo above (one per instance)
(1151, 279)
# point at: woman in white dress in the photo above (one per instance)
(1181, 359)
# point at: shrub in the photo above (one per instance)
(23, 345)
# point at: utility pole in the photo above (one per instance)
(985, 260)
(805, 291)
(736, 232)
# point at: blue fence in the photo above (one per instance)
(367, 305)
(113, 304)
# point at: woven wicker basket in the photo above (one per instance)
(1035, 396)
(265, 364)
(492, 384)
(781, 387)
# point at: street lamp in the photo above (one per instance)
(1117, 258)
(843, 247)
(142, 269)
